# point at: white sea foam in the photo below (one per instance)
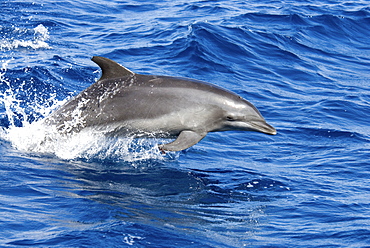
(36, 41)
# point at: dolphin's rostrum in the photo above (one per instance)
(125, 103)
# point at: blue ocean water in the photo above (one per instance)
(304, 64)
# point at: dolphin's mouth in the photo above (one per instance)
(263, 127)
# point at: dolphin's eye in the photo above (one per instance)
(230, 118)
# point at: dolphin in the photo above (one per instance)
(124, 103)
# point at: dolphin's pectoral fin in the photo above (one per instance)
(185, 140)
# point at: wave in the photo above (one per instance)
(20, 38)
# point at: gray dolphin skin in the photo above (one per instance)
(123, 103)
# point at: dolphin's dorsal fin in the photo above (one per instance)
(111, 69)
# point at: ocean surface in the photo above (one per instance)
(304, 64)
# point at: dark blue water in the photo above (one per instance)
(304, 64)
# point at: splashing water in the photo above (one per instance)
(89, 145)
(11, 104)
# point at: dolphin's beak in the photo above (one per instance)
(263, 127)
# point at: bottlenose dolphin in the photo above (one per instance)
(122, 102)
